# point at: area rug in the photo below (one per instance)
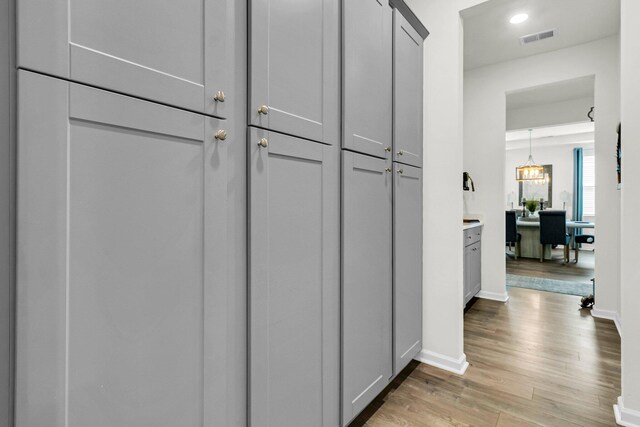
(550, 285)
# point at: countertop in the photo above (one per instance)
(469, 225)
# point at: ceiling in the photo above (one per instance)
(551, 131)
(490, 38)
(582, 87)
(575, 133)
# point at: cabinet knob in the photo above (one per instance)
(221, 135)
(264, 142)
(400, 153)
(387, 170)
(387, 149)
(263, 110)
(219, 96)
(400, 171)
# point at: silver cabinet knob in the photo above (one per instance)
(387, 149)
(400, 171)
(221, 135)
(219, 96)
(400, 153)
(263, 110)
(264, 142)
(387, 170)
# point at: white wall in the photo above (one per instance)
(557, 113)
(630, 273)
(484, 151)
(443, 325)
(560, 156)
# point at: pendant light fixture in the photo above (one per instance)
(530, 171)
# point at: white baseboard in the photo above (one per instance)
(609, 315)
(624, 416)
(457, 366)
(502, 297)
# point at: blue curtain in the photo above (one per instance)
(578, 197)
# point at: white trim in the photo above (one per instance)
(495, 296)
(457, 366)
(609, 315)
(626, 417)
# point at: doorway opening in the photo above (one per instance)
(550, 220)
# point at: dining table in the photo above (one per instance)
(529, 229)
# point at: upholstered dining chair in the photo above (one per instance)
(512, 236)
(553, 231)
(580, 239)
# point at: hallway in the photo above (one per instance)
(537, 360)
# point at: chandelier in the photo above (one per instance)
(530, 171)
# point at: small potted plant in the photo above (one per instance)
(531, 206)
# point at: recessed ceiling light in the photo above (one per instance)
(519, 18)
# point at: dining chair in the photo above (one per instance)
(512, 236)
(553, 231)
(581, 239)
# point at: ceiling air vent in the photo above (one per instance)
(547, 34)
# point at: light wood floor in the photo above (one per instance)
(536, 360)
(555, 269)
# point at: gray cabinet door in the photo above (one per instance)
(178, 53)
(466, 293)
(367, 282)
(294, 69)
(367, 76)
(407, 258)
(475, 269)
(407, 93)
(294, 281)
(125, 291)
(472, 270)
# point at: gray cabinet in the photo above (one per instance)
(367, 77)
(367, 280)
(179, 53)
(472, 263)
(128, 288)
(294, 281)
(294, 68)
(407, 93)
(407, 264)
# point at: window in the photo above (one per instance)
(589, 185)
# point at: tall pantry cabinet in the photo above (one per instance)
(214, 210)
(381, 197)
(131, 213)
(294, 194)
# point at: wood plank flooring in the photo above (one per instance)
(555, 269)
(536, 360)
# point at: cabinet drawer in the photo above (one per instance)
(472, 235)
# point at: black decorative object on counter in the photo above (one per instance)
(466, 181)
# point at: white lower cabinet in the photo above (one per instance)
(126, 290)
